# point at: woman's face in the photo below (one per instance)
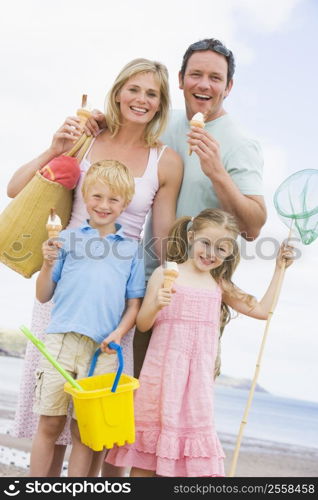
(139, 98)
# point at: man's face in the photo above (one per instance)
(205, 84)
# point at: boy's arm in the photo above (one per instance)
(45, 285)
(127, 322)
(262, 308)
(135, 290)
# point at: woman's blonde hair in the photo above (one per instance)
(113, 174)
(158, 123)
(178, 251)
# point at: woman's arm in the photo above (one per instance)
(262, 308)
(62, 141)
(170, 171)
(127, 322)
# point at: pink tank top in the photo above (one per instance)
(133, 218)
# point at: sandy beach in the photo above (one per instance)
(269, 461)
(257, 458)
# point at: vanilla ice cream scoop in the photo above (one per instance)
(170, 272)
(54, 224)
(197, 120)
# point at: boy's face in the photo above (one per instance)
(103, 206)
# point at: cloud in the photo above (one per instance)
(268, 15)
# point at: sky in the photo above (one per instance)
(53, 52)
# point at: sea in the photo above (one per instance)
(272, 422)
(271, 419)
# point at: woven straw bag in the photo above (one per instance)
(23, 221)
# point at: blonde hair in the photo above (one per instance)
(158, 123)
(177, 250)
(113, 174)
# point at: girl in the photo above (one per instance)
(175, 432)
(136, 114)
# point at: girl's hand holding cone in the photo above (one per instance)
(164, 297)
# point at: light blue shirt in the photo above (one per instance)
(241, 156)
(94, 276)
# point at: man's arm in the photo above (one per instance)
(249, 210)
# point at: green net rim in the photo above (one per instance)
(301, 215)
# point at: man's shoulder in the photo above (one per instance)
(230, 133)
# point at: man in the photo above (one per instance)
(225, 167)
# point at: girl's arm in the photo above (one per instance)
(127, 322)
(165, 202)
(155, 299)
(262, 308)
(45, 286)
(62, 141)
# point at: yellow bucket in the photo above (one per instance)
(105, 418)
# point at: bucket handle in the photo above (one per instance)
(118, 349)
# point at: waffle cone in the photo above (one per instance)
(53, 231)
(194, 123)
(170, 276)
(83, 115)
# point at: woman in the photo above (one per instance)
(136, 113)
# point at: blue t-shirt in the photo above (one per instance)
(94, 276)
(241, 156)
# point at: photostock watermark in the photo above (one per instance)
(95, 248)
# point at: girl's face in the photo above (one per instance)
(209, 247)
(139, 98)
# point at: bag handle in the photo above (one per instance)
(118, 349)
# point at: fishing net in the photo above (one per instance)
(296, 202)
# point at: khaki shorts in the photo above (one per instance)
(74, 353)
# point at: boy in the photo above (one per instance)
(96, 279)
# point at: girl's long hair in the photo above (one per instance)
(178, 251)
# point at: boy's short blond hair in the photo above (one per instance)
(114, 174)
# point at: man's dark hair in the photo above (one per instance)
(214, 45)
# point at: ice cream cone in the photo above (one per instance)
(170, 274)
(83, 115)
(196, 121)
(53, 225)
(53, 231)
